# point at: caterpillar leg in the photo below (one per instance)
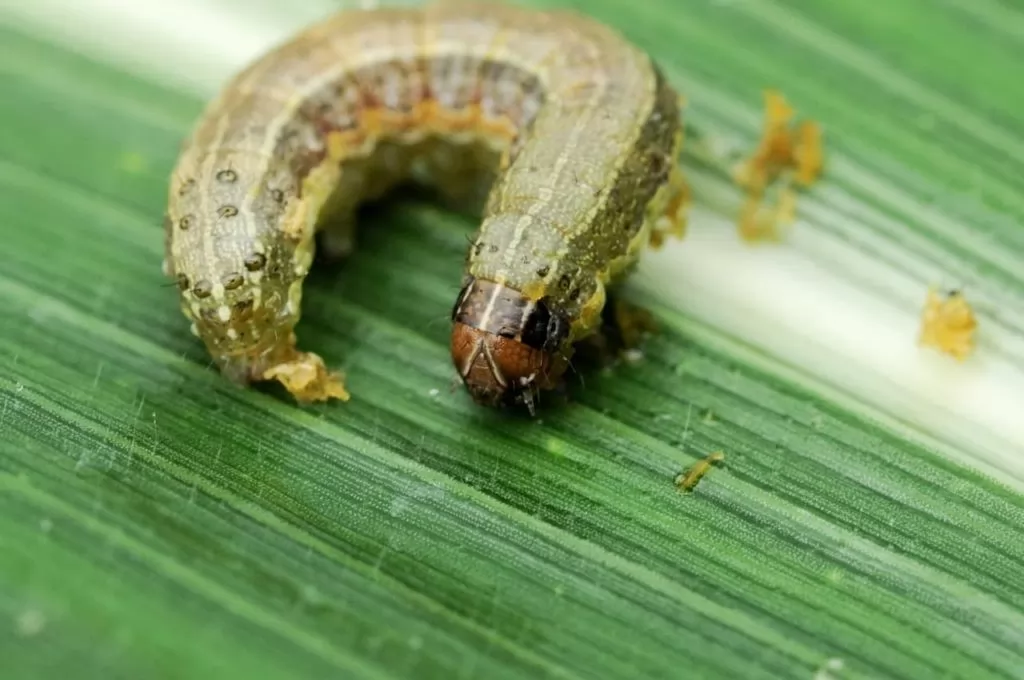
(672, 219)
(623, 329)
(624, 324)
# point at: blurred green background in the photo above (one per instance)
(156, 522)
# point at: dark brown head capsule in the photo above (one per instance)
(506, 347)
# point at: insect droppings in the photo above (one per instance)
(689, 479)
(948, 324)
(787, 158)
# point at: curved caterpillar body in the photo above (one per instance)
(571, 133)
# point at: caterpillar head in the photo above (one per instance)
(506, 347)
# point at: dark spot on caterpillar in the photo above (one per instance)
(492, 248)
(575, 293)
(227, 211)
(211, 314)
(255, 262)
(186, 186)
(478, 248)
(185, 222)
(243, 309)
(565, 281)
(202, 289)
(233, 280)
(543, 328)
(227, 176)
(543, 271)
(277, 195)
(182, 282)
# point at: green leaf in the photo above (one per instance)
(156, 522)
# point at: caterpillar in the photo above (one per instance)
(571, 134)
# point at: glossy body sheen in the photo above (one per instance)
(570, 133)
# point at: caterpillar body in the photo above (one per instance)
(570, 132)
